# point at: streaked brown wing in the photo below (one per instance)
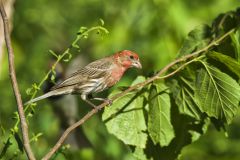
(94, 70)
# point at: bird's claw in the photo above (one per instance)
(108, 101)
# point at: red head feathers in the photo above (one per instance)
(127, 59)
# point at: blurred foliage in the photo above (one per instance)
(155, 29)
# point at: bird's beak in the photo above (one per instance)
(137, 64)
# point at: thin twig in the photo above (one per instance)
(12, 74)
(157, 76)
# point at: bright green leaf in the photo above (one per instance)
(101, 21)
(126, 121)
(139, 79)
(82, 29)
(217, 93)
(159, 119)
(139, 154)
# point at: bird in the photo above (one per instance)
(95, 77)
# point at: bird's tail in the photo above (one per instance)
(49, 94)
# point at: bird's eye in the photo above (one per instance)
(131, 57)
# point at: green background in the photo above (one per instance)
(155, 29)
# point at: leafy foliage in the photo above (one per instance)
(179, 114)
(196, 39)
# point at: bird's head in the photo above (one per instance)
(127, 59)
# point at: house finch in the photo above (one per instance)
(95, 77)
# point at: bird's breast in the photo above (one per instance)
(116, 75)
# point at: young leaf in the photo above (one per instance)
(101, 22)
(231, 63)
(217, 93)
(159, 120)
(196, 39)
(53, 53)
(82, 30)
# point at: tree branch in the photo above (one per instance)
(155, 77)
(12, 74)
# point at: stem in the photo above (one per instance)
(12, 74)
(155, 77)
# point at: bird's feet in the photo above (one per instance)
(108, 101)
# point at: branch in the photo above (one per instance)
(12, 74)
(155, 77)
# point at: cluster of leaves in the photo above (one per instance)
(158, 120)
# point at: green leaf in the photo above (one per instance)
(101, 22)
(74, 45)
(159, 120)
(139, 154)
(235, 37)
(217, 93)
(30, 91)
(82, 30)
(225, 22)
(53, 53)
(182, 86)
(36, 137)
(231, 63)
(185, 99)
(53, 76)
(125, 119)
(35, 86)
(196, 39)
(139, 79)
